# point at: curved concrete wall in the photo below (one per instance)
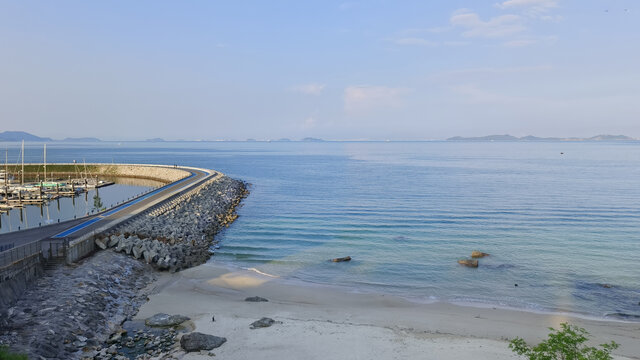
(161, 173)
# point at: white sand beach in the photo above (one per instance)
(320, 322)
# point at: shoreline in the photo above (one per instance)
(423, 301)
(310, 312)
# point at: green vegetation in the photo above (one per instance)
(62, 168)
(564, 344)
(97, 203)
(36, 171)
(5, 354)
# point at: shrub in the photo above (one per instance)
(564, 344)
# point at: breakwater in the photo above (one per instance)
(70, 312)
(179, 234)
(161, 173)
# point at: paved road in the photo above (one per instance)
(76, 228)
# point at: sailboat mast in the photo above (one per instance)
(45, 162)
(6, 168)
(22, 173)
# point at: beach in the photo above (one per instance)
(319, 322)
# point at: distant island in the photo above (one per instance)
(82, 139)
(535, 138)
(21, 135)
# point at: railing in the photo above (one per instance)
(5, 247)
(18, 253)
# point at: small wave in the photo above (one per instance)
(625, 316)
(261, 272)
(499, 266)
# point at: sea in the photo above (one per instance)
(560, 220)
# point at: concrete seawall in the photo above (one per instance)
(160, 173)
(15, 278)
(163, 173)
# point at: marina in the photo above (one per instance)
(38, 194)
(39, 190)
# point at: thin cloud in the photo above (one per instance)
(472, 94)
(346, 5)
(486, 73)
(532, 8)
(309, 122)
(415, 41)
(501, 70)
(433, 30)
(496, 27)
(528, 41)
(539, 4)
(519, 43)
(363, 98)
(455, 43)
(309, 89)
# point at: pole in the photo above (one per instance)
(45, 162)
(22, 179)
(6, 174)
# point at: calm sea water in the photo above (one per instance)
(67, 208)
(558, 225)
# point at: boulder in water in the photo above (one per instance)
(478, 254)
(468, 262)
(346, 258)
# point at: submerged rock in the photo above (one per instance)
(164, 320)
(196, 341)
(256, 299)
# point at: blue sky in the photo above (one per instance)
(337, 70)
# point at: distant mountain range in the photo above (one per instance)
(535, 138)
(21, 135)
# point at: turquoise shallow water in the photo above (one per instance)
(558, 225)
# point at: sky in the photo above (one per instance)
(377, 70)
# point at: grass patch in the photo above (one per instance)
(65, 168)
(5, 354)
